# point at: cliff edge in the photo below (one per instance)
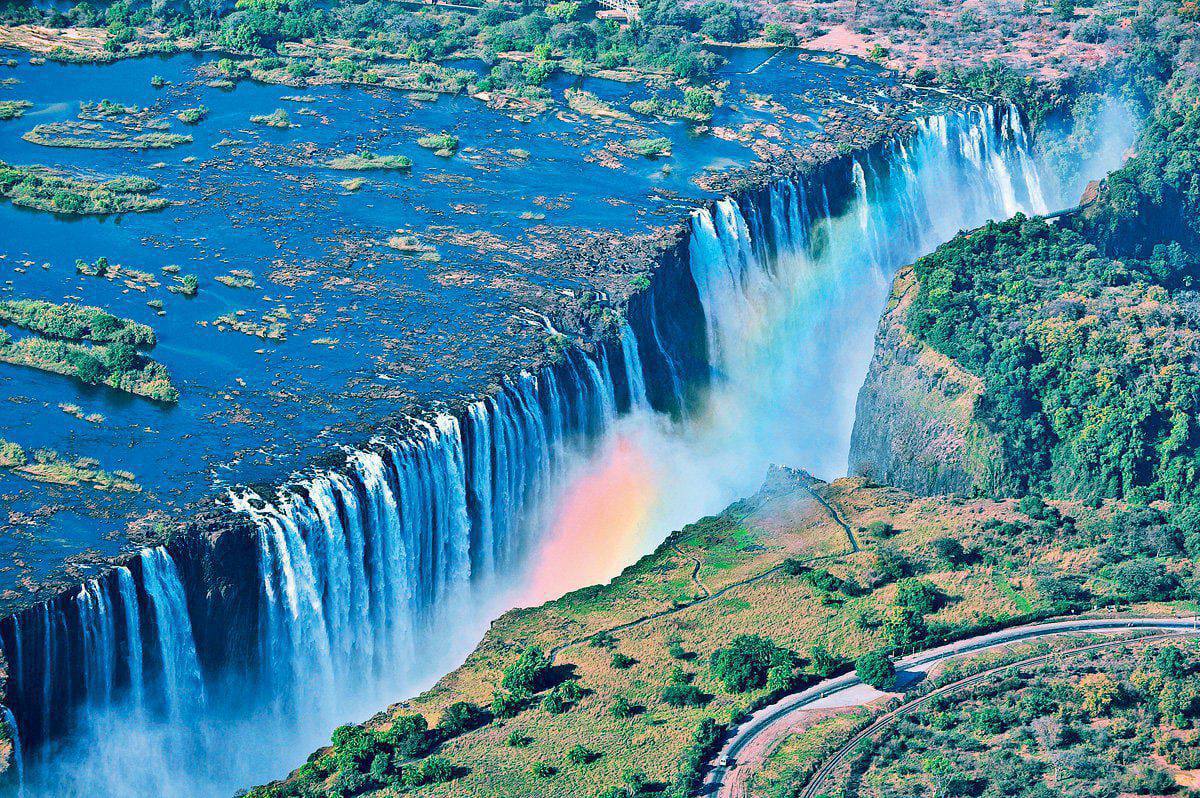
(914, 423)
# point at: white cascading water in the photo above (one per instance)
(792, 295)
(377, 577)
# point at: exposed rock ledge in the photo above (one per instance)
(915, 424)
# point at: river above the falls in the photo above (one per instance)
(407, 290)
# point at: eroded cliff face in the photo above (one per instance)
(915, 425)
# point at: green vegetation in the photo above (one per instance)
(13, 109)
(48, 466)
(83, 137)
(876, 669)
(192, 116)
(587, 103)
(439, 142)
(698, 105)
(75, 323)
(1080, 331)
(118, 366)
(365, 160)
(650, 148)
(278, 118)
(1117, 721)
(114, 360)
(46, 190)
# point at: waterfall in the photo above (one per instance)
(18, 764)
(183, 684)
(789, 342)
(128, 592)
(371, 577)
(635, 377)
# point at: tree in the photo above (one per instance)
(1145, 580)
(1097, 692)
(122, 358)
(564, 11)
(530, 673)
(919, 595)
(824, 664)
(1171, 663)
(462, 716)
(876, 669)
(779, 34)
(699, 102)
(904, 626)
(744, 664)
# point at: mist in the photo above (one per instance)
(791, 293)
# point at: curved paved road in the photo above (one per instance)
(758, 737)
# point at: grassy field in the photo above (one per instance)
(750, 570)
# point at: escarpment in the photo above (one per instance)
(915, 424)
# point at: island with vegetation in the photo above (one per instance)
(45, 189)
(86, 343)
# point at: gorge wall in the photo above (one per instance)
(212, 661)
(915, 424)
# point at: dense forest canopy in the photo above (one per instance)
(1084, 331)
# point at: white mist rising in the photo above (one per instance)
(377, 580)
(792, 298)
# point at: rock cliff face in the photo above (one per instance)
(915, 424)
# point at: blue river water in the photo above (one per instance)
(371, 330)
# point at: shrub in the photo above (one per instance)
(562, 698)
(409, 735)
(684, 695)
(508, 705)
(462, 716)
(622, 708)
(949, 550)
(439, 142)
(622, 661)
(1151, 780)
(651, 148)
(876, 669)
(603, 639)
(518, 739)
(879, 530)
(793, 566)
(434, 770)
(581, 755)
(543, 770)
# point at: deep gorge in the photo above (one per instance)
(231, 651)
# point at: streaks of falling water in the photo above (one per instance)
(361, 570)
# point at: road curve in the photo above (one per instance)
(756, 738)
